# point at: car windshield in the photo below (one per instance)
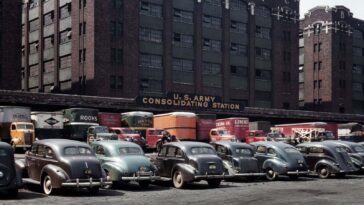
(202, 150)
(359, 149)
(101, 130)
(291, 150)
(74, 151)
(158, 132)
(340, 149)
(24, 126)
(243, 152)
(130, 151)
(223, 132)
(128, 131)
(3, 153)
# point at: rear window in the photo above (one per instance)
(202, 150)
(291, 150)
(340, 149)
(3, 153)
(244, 152)
(74, 151)
(130, 151)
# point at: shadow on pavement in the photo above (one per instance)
(22, 195)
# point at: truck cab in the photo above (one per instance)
(22, 134)
(153, 136)
(255, 136)
(99, 133)
(221, 134)
(128, 134)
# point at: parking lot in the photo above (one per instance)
(348, 190)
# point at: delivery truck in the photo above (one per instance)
(16, 127)
(48, 125)
(351, 132)
(77, 121)
(204, 124)
(235, 126)
(180, 124)
(109, 119)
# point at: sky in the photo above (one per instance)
(355, 6)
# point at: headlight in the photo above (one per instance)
(1, 174)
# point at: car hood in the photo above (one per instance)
(133, 163)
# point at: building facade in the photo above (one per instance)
(243, 51)
(10, 44)
(331, 61)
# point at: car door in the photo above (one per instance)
(40, 162)
(261, 155)
(171, 160)
(30, 161)
(160, 160)
(314, 154)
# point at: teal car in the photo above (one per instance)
(124, 162)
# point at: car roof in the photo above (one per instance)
(233, 144)
(326, 144)
(112, 143)
(60, 143)
(188, 144)
(345, 142)
(271, 144)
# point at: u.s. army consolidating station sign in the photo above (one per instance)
(189, 102)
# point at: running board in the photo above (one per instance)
(30, 181)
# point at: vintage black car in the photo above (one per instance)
(10, 180)
(326, 158)
(356, 152)
(184, 162)
(278, 158)
(58, 163)
(238, 159)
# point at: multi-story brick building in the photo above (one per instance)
(332, 61)
(10, 44)
(244, 51)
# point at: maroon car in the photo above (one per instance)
(58, 163)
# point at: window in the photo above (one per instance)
(263, 74)
(83, 3)
(358, 69)
(150, 61)
(163, 151)
(82, 55)
(65, 36)
(213, 2)
(287, 36)
(49, 152)
(261, 149)
(238, 27)
(183, 40)
(211, 68)
(116, 29)
(151, 35)
(185, 65)
(33, 47)
(48, 66)
(357, 51)
(116, 56)
(48, 18)
(239, 70)
(262, 32)
(117, 4)
(150, 9)
(286, 56)
(34, 25)
(74, 151)
(202, 150)
(182, 16)
(171, 152)
(113, 82)
(82, 29)
(65, 62)
(238, 49)
(316, 150)
(262, 11)
(263, 53)
(48, 42)
(211, 45)
(65, 11)
(272, 152)
(238, 5)
(130, 151)
(211, 22)
(40, 151)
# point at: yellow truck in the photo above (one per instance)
(16, 127)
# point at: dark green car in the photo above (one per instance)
(125, 161)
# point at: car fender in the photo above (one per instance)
(188, 171)
(356, 161)
(20, 168)
(276, 164)
(228, 167)
(329, 163)
(57, 174)
(114, 170)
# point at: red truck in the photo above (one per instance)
(221, 134)
(153, 137)
(311, 131)
(235, 126)
(128, 134)
(204, 124)
(254, 136)
(109, 119)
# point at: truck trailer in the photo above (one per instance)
(77, 121)
(48, 125)
(235, 126)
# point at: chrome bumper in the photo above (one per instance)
(207, 176)
(248, 174)
(141, 177)
(298, 172)
(89, 183)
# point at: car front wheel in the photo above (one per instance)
(178, 181)
(323, 172)
(214, 183)
(47, 185)
(270, 174)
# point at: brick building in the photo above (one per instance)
(243, 51)
(10, 44)
(331, 61)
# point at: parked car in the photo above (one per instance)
(10, 180)
(185, 162)
(125, 161)
(58, 163)
(356, 152)
(238, 158)
(326, 158)
(278, 158)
